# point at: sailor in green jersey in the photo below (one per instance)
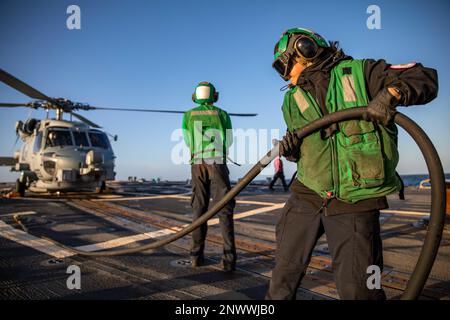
(344, 171)
(207, 133)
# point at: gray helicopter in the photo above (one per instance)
(59, 155)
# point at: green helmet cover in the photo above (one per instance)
(284, 40)
(205, 92)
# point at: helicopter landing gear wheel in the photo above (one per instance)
(20, 188)
(101, 188)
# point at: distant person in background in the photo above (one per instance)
(279, 171)
(401, 192)
(205, 129)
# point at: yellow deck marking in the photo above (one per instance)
(249, 213)
(22, 213)
(163, 232)
(149, 197)
(28, 240)
(407, 213)
(118, 242)
(178, 196)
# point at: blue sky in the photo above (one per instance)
(151, 54)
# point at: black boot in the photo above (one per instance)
(228, 266)
(197, 261)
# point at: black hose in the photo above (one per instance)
(294, 176)
(437, 217)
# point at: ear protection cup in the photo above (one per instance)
(306, 47)
(216, 96)
(194, 97)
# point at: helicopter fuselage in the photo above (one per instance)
(59, 155)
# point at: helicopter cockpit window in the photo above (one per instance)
(80, 138)
(37, 142)
(58, 138)
(99, 139)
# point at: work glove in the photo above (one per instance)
(290, 147)
(382, 108)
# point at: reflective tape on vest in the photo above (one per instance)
(301, 101)
(348, 86)
(204, 113)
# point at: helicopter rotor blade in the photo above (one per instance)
(14, 105)
(83, 119)
(21, 86)
(35, 94)
(139, 110)
(166, 111)
(243, 114)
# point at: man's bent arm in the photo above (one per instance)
(417, 84)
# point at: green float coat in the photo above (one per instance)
(205, 132)
(359, 161)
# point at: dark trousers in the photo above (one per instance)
(353, 240)
(276, 176)
(212, 180)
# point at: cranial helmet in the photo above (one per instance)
(303, 43)
(205, 92)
